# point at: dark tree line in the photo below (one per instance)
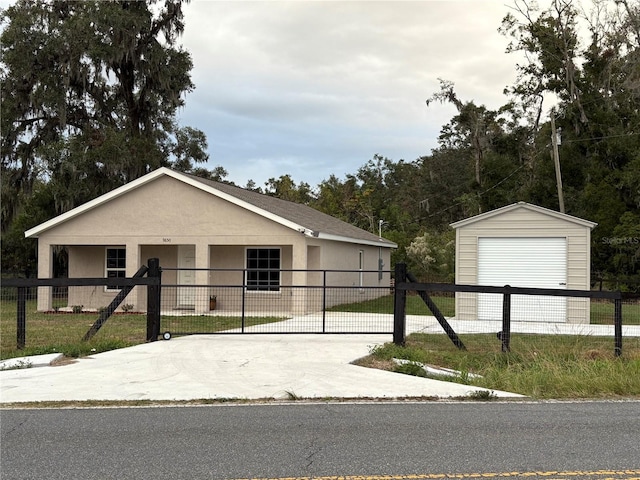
(123, 75)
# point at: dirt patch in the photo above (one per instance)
(372, 362)
(63, 361)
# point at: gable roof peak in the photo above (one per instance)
(302, 218)
(526, 206)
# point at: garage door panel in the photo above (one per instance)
(523, 262)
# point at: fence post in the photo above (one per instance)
(324, 301)
(244, 299)
(617, 306)
(21, 318)
(505, 334)
(399, 305)
(153, 300)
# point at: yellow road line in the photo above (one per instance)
(550, 475)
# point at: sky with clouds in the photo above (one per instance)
(317, 88)
(313, 89)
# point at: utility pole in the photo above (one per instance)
(556, 160)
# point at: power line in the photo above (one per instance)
(481, 193)
(535, 154)
(575, 140)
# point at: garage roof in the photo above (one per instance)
(526, 206)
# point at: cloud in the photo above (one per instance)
(315, 88)
(312, 89)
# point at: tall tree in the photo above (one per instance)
(549, 41)
(90, 93)
(474, 127)
(587, 61)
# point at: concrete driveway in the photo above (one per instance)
(226, 367)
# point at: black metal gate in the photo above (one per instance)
(303, 301)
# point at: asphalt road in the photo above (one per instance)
(594, 440)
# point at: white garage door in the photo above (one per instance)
(523, 262)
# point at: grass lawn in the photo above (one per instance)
(601, 312)
(415, 305)
(539, 366)
(63, 332)
(210, 324)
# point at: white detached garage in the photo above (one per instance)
(523, 245)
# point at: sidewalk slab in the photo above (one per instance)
(30, 361)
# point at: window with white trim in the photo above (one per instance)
(263, 269)
(115, 264)
(361, 267)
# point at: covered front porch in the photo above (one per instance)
(195, 277)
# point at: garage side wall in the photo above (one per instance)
(523, 222)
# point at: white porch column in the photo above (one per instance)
(45, 270)
(202, 278)
(133, 264)
(299, 262)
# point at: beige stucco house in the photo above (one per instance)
(205, 233)
(523, 245)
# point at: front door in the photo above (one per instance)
(186, 276)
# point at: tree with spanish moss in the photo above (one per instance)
(90, 93)
(89, 98)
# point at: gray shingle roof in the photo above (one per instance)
(319, 223)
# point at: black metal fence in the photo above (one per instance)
(25, 291)
(55, 311)
(570, 317)
(61, 311)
